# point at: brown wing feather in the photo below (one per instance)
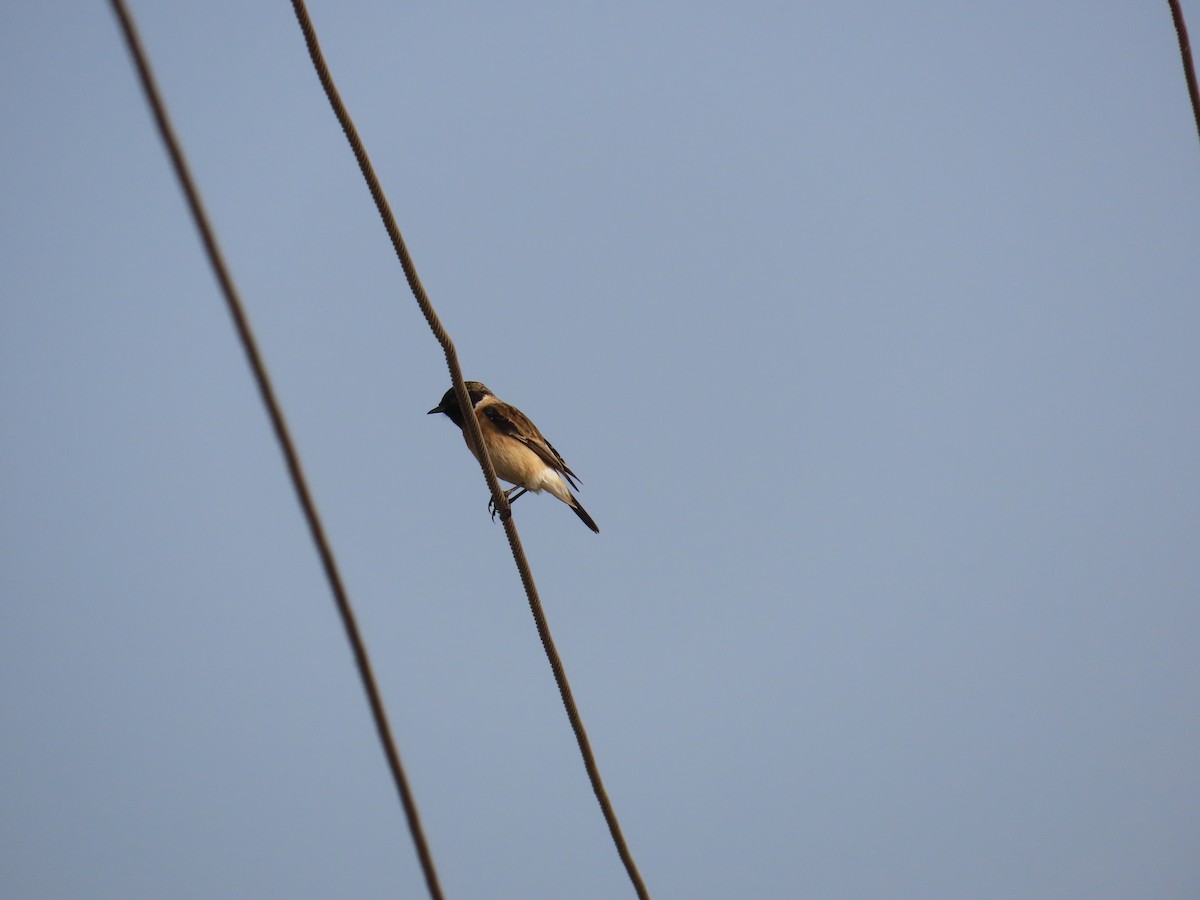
(511, 421)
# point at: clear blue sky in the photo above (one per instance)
(871, 328)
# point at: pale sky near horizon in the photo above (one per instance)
(871, 330)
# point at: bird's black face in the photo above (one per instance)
(449, 404)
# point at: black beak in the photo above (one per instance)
(435, 409)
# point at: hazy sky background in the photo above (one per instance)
(871, 328)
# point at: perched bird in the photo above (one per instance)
(520, 455)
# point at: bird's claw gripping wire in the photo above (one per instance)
(510, 495)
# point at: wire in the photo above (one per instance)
(1185, 50)
(267, 392)
(568, 699)
(471, 428)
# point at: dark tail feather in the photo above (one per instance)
(582, 513)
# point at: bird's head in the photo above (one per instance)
(449, 403)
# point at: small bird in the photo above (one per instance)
(520, 454)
